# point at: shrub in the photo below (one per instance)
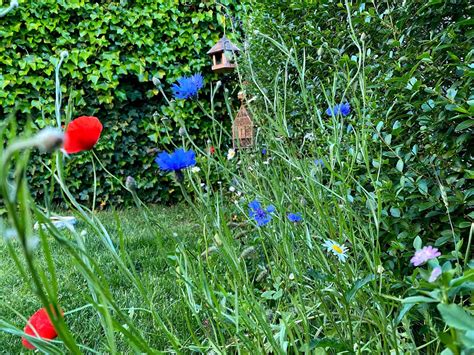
(417, 102)
(115, 49)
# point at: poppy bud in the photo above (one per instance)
(130, 183)
(64, 54)
(156, 81)
(182, 131)
(49, 139)
(13, 4)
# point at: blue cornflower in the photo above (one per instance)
(319, 162)
(295, 217)
(187, 87)
(264, 151)
(343, 109)
(262, 216)
(179, 159)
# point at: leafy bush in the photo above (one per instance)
(115, 49)
(418, 101)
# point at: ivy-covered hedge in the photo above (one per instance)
(418, 69)
(115, 49)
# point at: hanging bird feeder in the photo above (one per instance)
(223, 55)
(242, 128)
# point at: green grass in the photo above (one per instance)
(142, 247)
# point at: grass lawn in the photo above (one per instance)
(17, 298)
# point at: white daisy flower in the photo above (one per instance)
(230, 154)
(337, 249)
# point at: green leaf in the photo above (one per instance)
(357, 286)
(464, 125)
(467, 277)
(406, 307)
(411, 83)
(451, 94)
(456, 317)
(419, 299)
(423, 186)
(417, 243)
(379, 126)
(400, 165)
(395, 212)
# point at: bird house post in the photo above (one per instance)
(242, 128)
(223, 55)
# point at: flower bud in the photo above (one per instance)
(218, 84)
(209, 251)
(48, 139)
(380, 269)
(64, 54)
(262, 275)
(362, 37)
(182, 131)
(130, 183)
(247, 252)
(320, 51)
(156, 81)
(13, 3)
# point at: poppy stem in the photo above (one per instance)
(94, 197)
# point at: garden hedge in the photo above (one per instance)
(115, 49)
(418, 70)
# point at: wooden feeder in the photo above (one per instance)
(242, 128)
(223, 54)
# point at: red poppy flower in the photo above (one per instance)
(212, 150)
(82, 134)
(43, 327)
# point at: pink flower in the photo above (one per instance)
(423, 255)
(435, 274)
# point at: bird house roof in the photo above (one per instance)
(224, 44)
(243, 117)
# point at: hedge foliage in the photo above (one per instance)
(418, 68)
(115, 49)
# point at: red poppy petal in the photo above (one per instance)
(39, 325)
(82, 134)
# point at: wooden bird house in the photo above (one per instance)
(242, 128)
(223, 55)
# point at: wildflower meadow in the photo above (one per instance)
(236, 177)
